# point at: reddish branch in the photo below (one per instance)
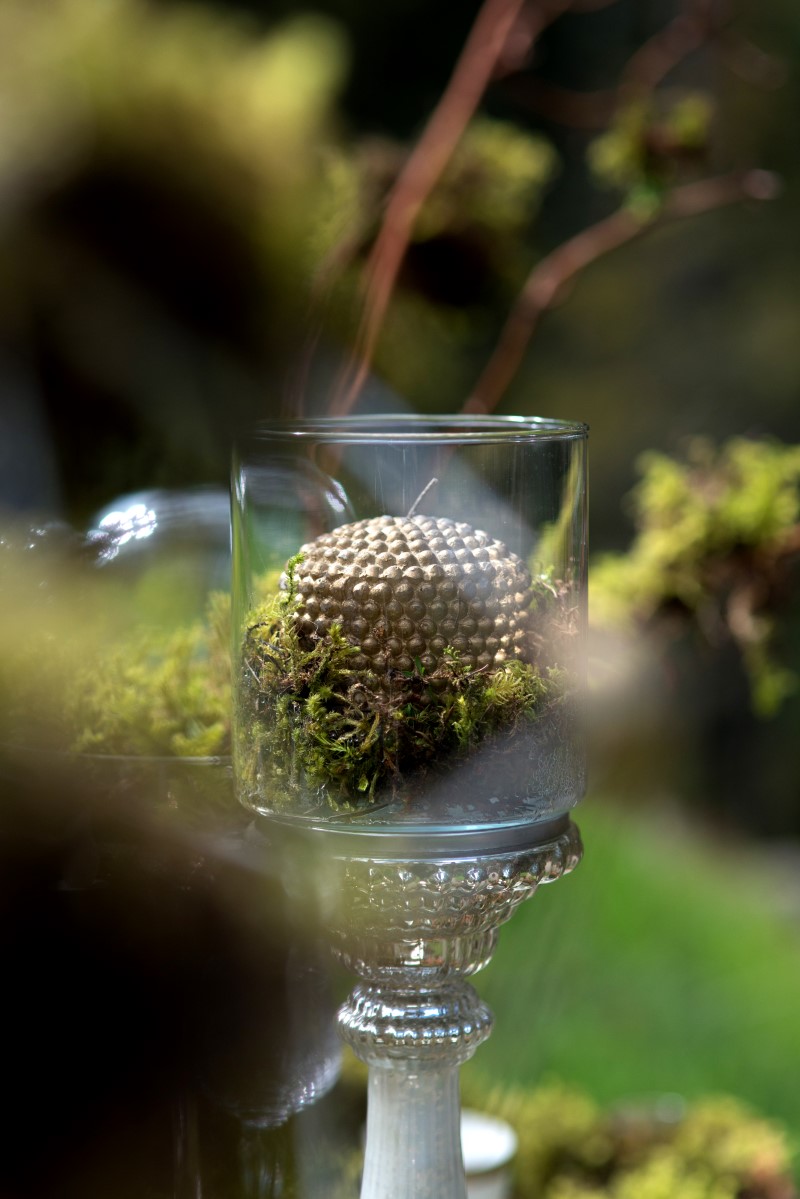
(690, 29)
(552, 273)
(750, 62)
(591, 5)
(698, 23)
(473, 71)
(564, 105)
(502, 37)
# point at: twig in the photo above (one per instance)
(694, 26)
(665, 50)
(550, 275)
(756, 66)
(564, 105)
(424, 166)
(587, 6)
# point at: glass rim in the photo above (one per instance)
(420, 427)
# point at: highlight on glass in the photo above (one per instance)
(409, 621)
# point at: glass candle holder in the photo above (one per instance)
(409, 610)
(410, 600)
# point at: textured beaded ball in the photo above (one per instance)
(405, 588)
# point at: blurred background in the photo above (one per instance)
(189, 196)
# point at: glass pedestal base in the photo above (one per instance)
(413, 930)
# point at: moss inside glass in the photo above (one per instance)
(412, 666)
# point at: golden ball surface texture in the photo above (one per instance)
(403, 589)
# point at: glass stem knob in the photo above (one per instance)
(414, 1040)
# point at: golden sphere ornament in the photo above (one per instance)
(405, 589)
(395, 647)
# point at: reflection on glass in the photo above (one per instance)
(412, 659)
(120, 526)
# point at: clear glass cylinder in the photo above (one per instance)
(409, 623)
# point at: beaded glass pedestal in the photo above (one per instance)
(409, 615)
(414, 931)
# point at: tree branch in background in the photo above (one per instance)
(690, 29)
(500, 43)
(756, 66)
(564, 105)
(429, 157)
(697, 24)
(552, 273)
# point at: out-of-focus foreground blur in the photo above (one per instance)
(189, 198)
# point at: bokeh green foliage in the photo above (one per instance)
(157, 693)
(467, 253)
(161, 165)
(85, 668)
(717, 535)
(184, 92)
(230, 132)
(192, 170)
(235, 130)
(570, 1148)
(650, 145)
(493, 185)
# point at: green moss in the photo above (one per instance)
(717, 538)
(571, 1149)
(493, 183)
(309, 722)
(715, 1148)
(649, 145)
(161, 693)
(149, 693)
(568, 1147)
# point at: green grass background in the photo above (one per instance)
(669, 962)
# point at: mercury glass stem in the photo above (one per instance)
(414, 1042)
(413, 930)
(413, 1142)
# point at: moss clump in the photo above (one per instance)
(310, 722)
(152, 693)
(717, 542)
(158, 694)
(569, 1148)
